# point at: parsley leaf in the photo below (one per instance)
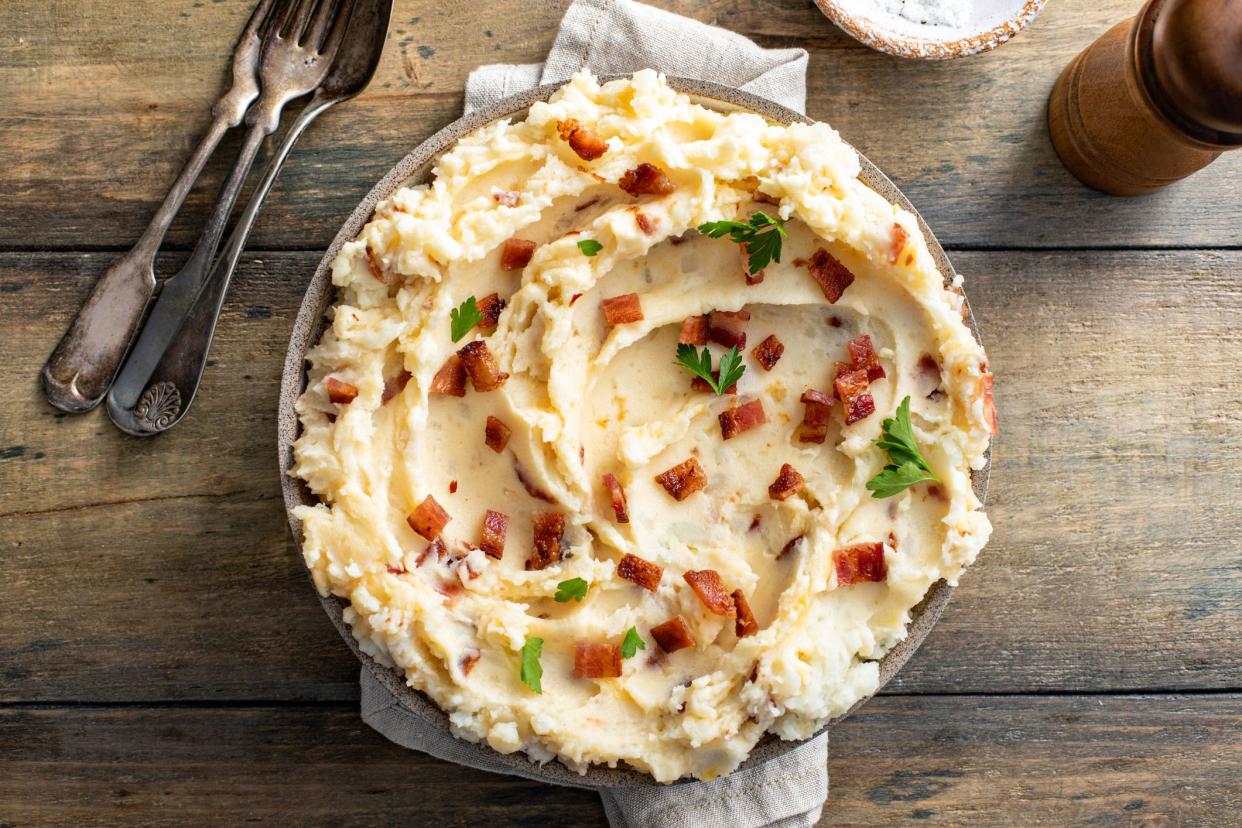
(532, 671)
(906, 465)
(574, 589)
(589, 247)
(465, 317)
(762, 245)
(731, 367)
(632, 643)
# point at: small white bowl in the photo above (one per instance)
(900, 27)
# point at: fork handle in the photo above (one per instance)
(77, 374)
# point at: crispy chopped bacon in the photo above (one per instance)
(548, 529)
(490, 306)
(646, 179)
(496, 434)
(452, 487)
(451, 378)
(529, 485)
(746, 623)
(728, 327)
(507, 198)
(927, 375)
(428, 518)
(640, 571)
(492, 538)
(849, 383)
(595, 660)
(814, 428)
(467, 662)
(515, 253)
(621, 310)
(377, 269)
(832, 276)
(485, 374)
(683, 480)
(790, 546)
(768, 352)
(700, 384)
(989, 405)
(858, 563)
(862, 355)
(741, 419)
(339, 391)
(396, 570)
(672, 635)
(436, 548)
(897, 244)
(787, 484)
(859, 408)
(394, 386)
(580, 140)
(574, 298)
(617, 494)
(646, 223)
(711, 590)
(693, 331)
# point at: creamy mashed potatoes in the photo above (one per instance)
(584, 398)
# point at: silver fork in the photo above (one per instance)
(77, 374)
(297, 53)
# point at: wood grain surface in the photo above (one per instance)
(163, 661)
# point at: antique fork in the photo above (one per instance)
(77, 374)
(175, 380)
(297, 53)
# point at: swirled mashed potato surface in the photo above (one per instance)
(585, 398)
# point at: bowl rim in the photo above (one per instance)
(866, 31)
(310, 323)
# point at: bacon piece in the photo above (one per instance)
(768, 352)
(451, 378)
(728, 328)
(790, 546)
(849, 383)
(863, 356)
(507, 198)
(340, 392)
(646, 179)
(452, 487)
(672, 635)
(897, 243)
(580, 140)
(515, 253)
(694, 331)
(373, 264)
(711, 590)
(492, 539)
(574, 298)
(700, 384)
(621, 310)
(645, 223)
(787, 484)
(617, 494)
(683, 480)
(490, 306)
(428, 518)
(496, 434)
(859, 408)
(746, 623)
(741, 419)
(814, 428)
(590, 202)
(548, 528)
(468, 660)
(927, 375)
(989, 405)
(436, 547)
(862, 562)
(640, 571)
(832, 276)
(485, 374)
(396, 570)
(594, 661)
(394, 386)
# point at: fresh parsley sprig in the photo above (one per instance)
(531, 671)
(464, 317)
(731, 367)
(762, 235)
(906, 465)
(575, 589)
(590, 247)
(632, 643)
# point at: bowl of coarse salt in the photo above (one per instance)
(932, 29)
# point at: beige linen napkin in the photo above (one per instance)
(616, 37)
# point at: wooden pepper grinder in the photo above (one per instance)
(1155, 99)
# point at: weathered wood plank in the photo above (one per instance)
(100, 103)
(162, 569)
(1033, 761)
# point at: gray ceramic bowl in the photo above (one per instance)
(310, 324)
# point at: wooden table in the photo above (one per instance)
(163, 661)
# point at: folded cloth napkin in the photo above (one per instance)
(617, 37)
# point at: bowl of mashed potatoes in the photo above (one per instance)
(637, 424)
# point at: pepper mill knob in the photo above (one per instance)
(1155, 99)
